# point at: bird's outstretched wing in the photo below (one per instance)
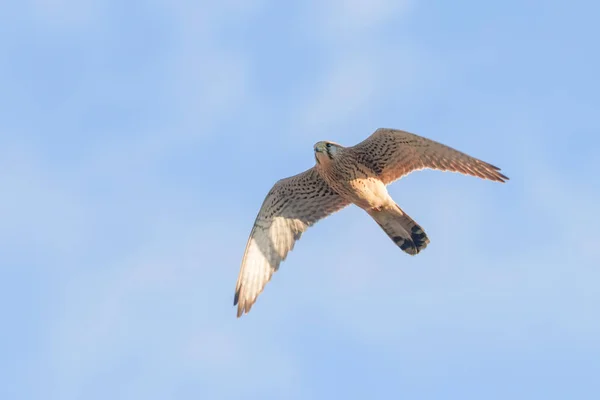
(394, 153)
(292, 205)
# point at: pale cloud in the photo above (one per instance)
(359, 74)
(205, 15)
(67, 15)
(342, 18)
(211, 84)
(344, 90)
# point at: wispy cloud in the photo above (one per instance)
(357, 17)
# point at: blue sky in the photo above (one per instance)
(138, 140)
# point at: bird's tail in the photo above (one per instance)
(401, 228)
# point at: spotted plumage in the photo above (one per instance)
(342, 176)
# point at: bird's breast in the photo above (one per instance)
(356, 186)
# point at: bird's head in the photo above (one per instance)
(325, 151)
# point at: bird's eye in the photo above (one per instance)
(328, 145)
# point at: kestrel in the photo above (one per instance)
(342, 176)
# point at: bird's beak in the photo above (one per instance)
(317, 150)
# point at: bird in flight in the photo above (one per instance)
(342, 176)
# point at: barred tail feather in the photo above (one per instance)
(401, 228)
